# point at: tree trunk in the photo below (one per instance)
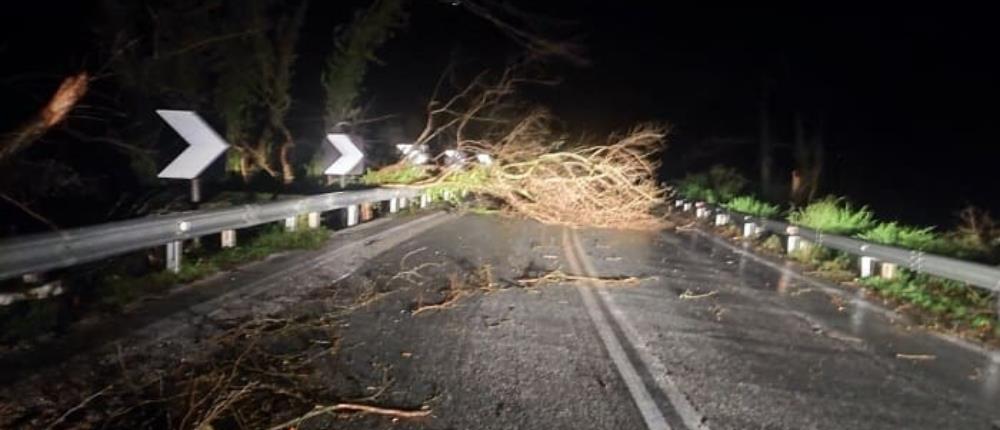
(287, 169)
(765, 157)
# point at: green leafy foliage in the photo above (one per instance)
(752, 206)
(895, 234)
(694, 187)
(459, 183)
(719, 184)
(355, 48)
(833, 215)
(406, 174)
(951, 301)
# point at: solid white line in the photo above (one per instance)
(651, 413)
(689, 415)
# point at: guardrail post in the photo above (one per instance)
(749, 229)
(393, 205)
(446, 195)
(888, 270)
(687, 207)
(313, 219)
(366, 212)
(678, 203)
(352, 215)
(403, 203)
(721, 218)
(228, 238)
(33, 278)
(424, 200)
(174, 251)
(867, 266)
(794, 240)
(290, 224)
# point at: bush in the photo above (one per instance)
(892, 233)
(832, 215)
(720, 184)
(726, 183)
(694, 187)
(751, 206)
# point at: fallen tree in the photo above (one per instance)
(531, 170)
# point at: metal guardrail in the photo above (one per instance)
(47, 251)
(979, 275)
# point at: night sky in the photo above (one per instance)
(907, 97)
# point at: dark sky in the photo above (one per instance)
(907, 97)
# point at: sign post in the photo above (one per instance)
(205, 145)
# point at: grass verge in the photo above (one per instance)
(116, 290)
(112, 291)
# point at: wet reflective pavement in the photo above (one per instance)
(709, 337)
(760, 346)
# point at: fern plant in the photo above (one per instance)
(833, 215)
(895, 234)
(752, 206)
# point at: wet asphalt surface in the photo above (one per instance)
(717, 338)
(710, 336)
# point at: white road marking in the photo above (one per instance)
(651, 413)
(689, 415)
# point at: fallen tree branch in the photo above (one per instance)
(688, 295)
(559, 276)
(79, 406)
(448, 302)
(24, 208)
(353, 407)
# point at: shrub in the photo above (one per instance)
(752, 206)
(892, 233)
(832, 215)
(726, 183)
(694, 187)
(720, 184)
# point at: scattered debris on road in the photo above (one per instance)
(688, 295)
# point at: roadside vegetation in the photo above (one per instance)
(718, 185)
(112, 291)
(752, 206)
(936, 302)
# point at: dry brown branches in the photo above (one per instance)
(557, 276)
(534, 171)
(611, 185)
(353, 407)
(66, 97)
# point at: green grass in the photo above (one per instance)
(773, 244)
(949, 301)
(833, 215)
(752, 206)
(117, 290)
(895, 234)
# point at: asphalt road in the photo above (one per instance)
(708, 336)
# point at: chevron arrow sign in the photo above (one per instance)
(350, 155)
(205, 144)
